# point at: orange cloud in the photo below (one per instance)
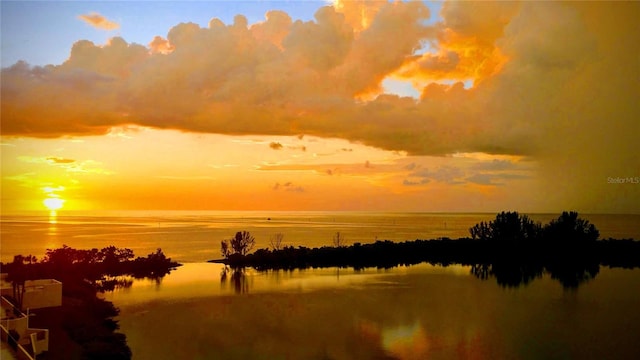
(99, 22)
(358, 14)
(160, 45)
(467, 48)
(379, 50)
(274, 30)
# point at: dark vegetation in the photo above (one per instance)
(512, 249)
(84, 326)
(240, 244)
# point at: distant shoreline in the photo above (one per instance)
(196, 238)
(511, 265)
(464, 251)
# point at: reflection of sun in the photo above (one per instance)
(407, 342)
(53, 204)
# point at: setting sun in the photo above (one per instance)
(53, 204)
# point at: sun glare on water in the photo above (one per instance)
(53, 204)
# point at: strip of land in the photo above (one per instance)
(511, 248)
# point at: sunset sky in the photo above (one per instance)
(317, 105)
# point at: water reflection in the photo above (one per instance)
(412, 312)
(195, 280)
(238, 279)
(509, 274)
(571, 273)
(53, 223)
(241, 279)
(111, 283)
(404, 341)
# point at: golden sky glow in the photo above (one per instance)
(482, 106)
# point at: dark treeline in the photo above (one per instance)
(68, 263)
(384, 254)
(84, 326)
(512, 248)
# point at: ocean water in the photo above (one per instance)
(196, 236)
(206, 311)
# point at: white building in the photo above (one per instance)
(37, 293)
(14, 329)
(15, 323)
(42, 293)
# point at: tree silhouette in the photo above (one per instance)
(276, 241)
(63, 257)
(241, 244)
(18, 276)
(508, 227)
(111, 257)
(565, 248)
(481, 231)
(513, 227)
(570, 229)
(338, 240)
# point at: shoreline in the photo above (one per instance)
(511, 265)
(464, 251)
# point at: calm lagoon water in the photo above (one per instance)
(416, 312)
(202, 311)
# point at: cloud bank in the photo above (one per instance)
(553, 81)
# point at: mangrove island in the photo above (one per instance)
(512, 248)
